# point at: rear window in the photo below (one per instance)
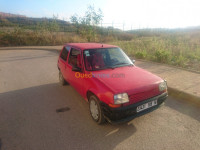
(65, 53)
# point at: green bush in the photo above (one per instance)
(140, 54)
(162, 56)
(181, 61)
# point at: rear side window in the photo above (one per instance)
(65, 53)
(73, 57)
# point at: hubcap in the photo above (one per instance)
(94, 109)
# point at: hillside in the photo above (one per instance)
(11, 20)
(6, 15)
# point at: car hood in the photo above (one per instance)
(129, 79)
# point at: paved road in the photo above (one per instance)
(30, 98)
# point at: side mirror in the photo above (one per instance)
(133, 61)
(76, 69)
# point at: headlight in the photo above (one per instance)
(121, 98)
(163, 86)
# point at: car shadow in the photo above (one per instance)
(54, 117)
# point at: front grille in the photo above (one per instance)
(143, 96)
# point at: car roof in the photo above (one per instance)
(84, 46)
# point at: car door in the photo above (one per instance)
(62, 62)
(75, 60)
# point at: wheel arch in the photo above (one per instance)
(89, 93)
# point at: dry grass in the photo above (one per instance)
(180, 49)
(37, 38)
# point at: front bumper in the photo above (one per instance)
(127, 113)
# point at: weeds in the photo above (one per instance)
(181, 49)
(141, 54)
(162, 56)
(41, 38)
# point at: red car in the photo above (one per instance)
(116, 89)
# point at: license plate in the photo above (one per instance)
(146, 105)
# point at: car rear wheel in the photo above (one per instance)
(96, 110)
(61, 79)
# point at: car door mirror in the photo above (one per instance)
(133, 61)
(77, 69)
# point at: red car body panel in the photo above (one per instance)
(83, 46)
(137, 83)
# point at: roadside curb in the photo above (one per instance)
(184, 96)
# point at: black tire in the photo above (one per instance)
(99, 117)
(61, 79)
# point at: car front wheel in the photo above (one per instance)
(96, 110)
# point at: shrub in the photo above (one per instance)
(162, 56)
(181, 61)
(140, 54)
(124, 37)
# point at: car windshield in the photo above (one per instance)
(104, 58)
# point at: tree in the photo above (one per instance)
(75, 20)
(86, 25)
(54, 26)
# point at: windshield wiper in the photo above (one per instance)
(110, 67)
(123, 64)
(107, 67)
(114, 66)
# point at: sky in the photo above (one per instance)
(127, 14)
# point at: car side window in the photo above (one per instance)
(74, 58)
(65, 53)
